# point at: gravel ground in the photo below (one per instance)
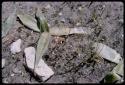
(62, 57)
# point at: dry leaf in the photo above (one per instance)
(59, 31)
(81, 30)
(8, 24)
(42, 46)
(29, 21)
(107, 52)
(66, 31)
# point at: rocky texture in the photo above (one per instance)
(74, 49)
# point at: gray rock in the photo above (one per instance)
(3, 62)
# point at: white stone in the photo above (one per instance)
(60, 13)
(107, 53)
(77, 24)
(3, 63)
(122, 35)
(30, 55)
(48, 6)
(121, 20)
(63, 20)
(49, 25)
(16, 46)
(103, 6)
(42, 69)
(80, 8)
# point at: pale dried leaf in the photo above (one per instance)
(66, 31)
(107, 53)
(42, 46)
(9, 22)
(81, 30)
(59, 31)
(29, 21)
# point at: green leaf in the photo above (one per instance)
(8, 23)
(29, 21)
(41, 21)
(42, 46)
(111, 77)
(119, 69)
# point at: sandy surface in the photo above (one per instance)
(74, 50)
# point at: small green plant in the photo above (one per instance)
(39, 24)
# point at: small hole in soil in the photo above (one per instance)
(46, 57)
(19, 29)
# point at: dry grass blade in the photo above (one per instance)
(42, 46)
(107, 53)
(66, 31)
(59, 31)
(29, 21)
(81, 30)
(8, 24)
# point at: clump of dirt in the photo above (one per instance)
(71, 59)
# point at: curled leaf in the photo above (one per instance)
(8, 24)
(42, 46)
(29, 21)
(107, 52)
(41, 21)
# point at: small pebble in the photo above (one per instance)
(5, 80)
(12, 74)
(16, 71)
(80, 8)
(48, 24)
(121, 20)
(60, 13)
(103, 6)
(3, 63)
(77, 24)
(122, 35)
(15, 47)
(63, 20)
(48, 6)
